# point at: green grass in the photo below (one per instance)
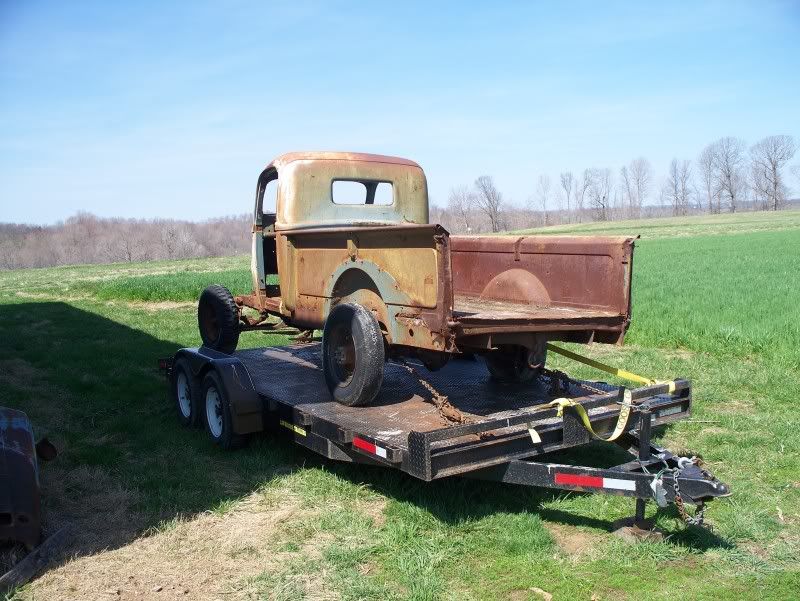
(715, 300)
(181, 286)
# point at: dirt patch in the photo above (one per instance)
(680, 353)
(574, 543)
(97, 507)
(735, 406)
(55, 295)
(712, 430)
(210, 556)
(163, 305)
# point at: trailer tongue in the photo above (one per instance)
(455, 421)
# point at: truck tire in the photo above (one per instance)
(218, 319)
(186, 394)
(352, 354)
(217, 413)
(510, 364)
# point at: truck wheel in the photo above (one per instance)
(352, 354)
(511, 363)
(217, 413)
(186, 394)
(218, 319)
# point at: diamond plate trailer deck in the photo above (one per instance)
(457, 421)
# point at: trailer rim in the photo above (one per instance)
(184, 395)
(214, 411)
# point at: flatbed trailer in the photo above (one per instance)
(456, 421)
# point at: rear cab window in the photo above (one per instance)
(361, 192)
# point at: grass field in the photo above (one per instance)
(162, 513)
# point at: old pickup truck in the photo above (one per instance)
(351, 248)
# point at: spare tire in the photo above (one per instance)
(218, 319)
(352, 354)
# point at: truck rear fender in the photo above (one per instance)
(365, 283)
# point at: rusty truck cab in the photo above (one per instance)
(325, 190)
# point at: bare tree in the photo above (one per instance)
(767, 159)
(600, 191)
(642, 175)
(729, 170)
(581, 188)
(567, 185)
(626, 183)
(635, 181)
(678, 186)
(543, 195)
(708, 181)
(489, 200)
(461, 202)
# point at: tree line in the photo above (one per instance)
(86, 238)
(726, 176)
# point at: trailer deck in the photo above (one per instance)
(457, 421)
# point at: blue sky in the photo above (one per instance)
(160, 109)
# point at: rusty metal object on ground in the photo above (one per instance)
(20, 508)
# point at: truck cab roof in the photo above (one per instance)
(320, 189)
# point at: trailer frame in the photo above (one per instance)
(278, 389)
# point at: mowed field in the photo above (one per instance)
(160, 513)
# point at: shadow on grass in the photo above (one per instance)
(90, 384)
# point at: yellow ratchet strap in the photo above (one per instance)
(622, 420)
(614, 371)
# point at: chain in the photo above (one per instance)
(439, 400)
(699, 515)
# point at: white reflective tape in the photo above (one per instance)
(619, 484)
(670, 411)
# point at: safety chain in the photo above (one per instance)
(699, 515)
(439, 400)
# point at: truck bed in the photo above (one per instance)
(542, 284)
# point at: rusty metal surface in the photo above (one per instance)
(563, 281)
(20, 509)
(428, 290)
(305, 189)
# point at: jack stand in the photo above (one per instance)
(638, 528)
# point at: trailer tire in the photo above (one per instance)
(185, 388)
(510, 364)
(352, 354)
(217, 413)
(218, 319)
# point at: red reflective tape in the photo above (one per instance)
(362, 444)
(578, 480)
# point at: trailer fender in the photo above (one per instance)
(247, 409)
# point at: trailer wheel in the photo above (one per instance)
(512, 364)
(352, 354)
(217, 413)
(186, 394)
(218, 319)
